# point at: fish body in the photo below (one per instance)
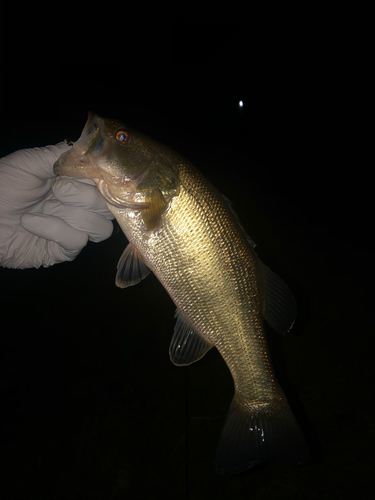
(185, 231)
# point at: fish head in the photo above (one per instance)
(125, 164)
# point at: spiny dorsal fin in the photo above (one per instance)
(157, 205)
(130, 268)
(249, 239)
(187, 345)
(280, 308)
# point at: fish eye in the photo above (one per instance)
(123, 136)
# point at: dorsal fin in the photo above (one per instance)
(187, 345)
(230, 205)
(156, 206)
(131, 268)
(280, 308)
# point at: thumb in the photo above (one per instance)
(54, 229)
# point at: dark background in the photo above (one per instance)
(92, 407)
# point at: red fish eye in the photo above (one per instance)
(123, 136)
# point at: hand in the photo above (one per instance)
(45, 219)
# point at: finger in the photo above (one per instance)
(78, 194)
(46, 253)
(38, 161)
(54, 229)
(57, 253)
(95, 225)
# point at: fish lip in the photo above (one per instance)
(73, 161)
(91, 136)
(91, 117)
(76, 161)
(59, 161)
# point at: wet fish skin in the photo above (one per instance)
(182, 229)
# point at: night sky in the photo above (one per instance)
(92, 407)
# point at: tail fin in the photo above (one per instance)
(254, 433)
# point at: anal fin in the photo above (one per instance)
(130, 268)
(187, 345)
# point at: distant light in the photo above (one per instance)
(240, 104)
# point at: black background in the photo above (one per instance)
(92, 407)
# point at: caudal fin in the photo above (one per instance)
(254, 433)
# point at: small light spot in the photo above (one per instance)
(240, 104)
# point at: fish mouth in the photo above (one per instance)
(92, 136)
(80, 161)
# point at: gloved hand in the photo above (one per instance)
(45, 219)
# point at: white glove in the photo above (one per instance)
(45, 219)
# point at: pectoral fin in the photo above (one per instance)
(130, 268)
(187, 345)
(156, 206)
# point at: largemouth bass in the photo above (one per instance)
(184, 231)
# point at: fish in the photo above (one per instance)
(181, 228)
